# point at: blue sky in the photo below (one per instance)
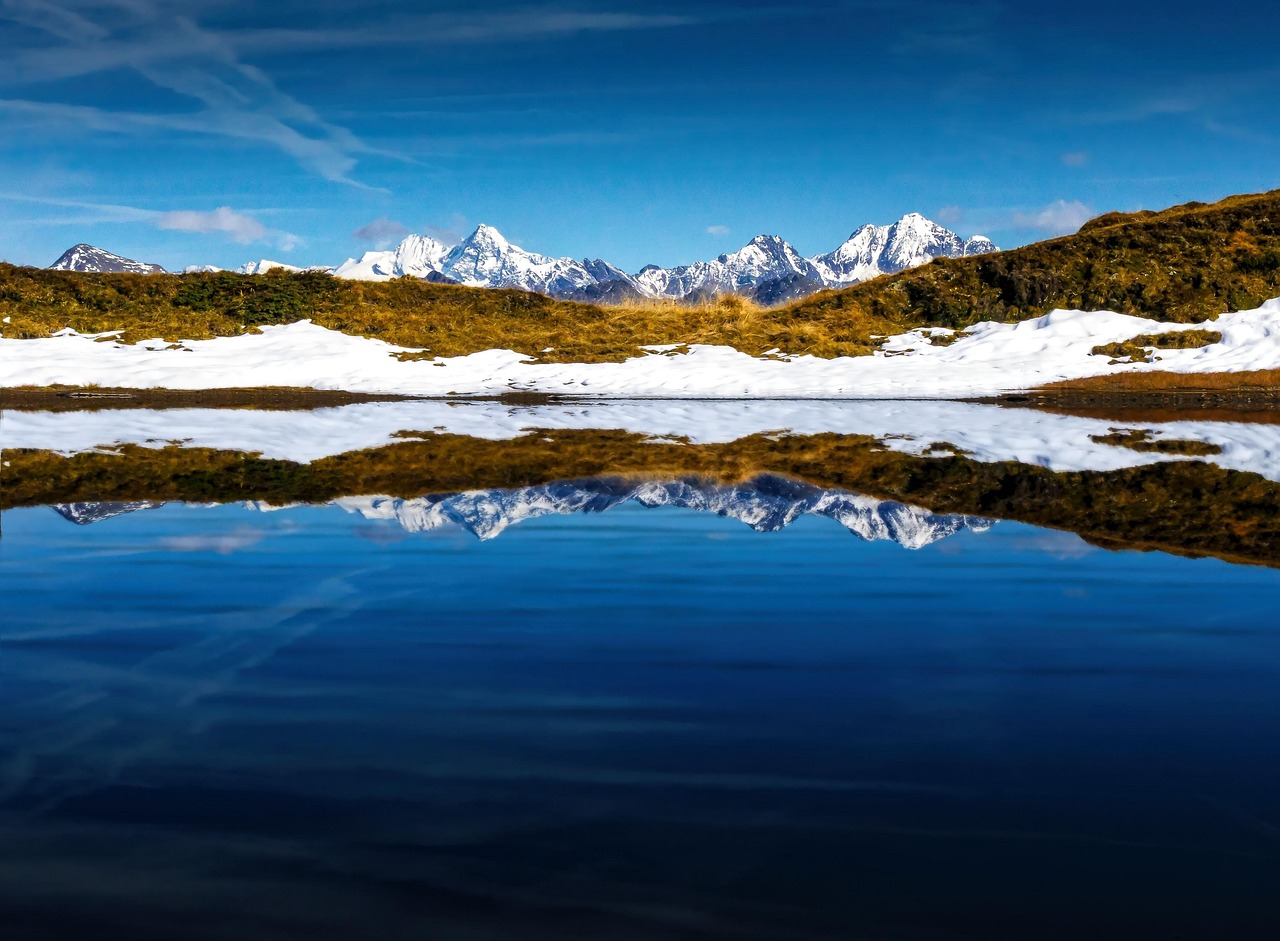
(186, 132)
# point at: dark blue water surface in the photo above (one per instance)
(217, 723)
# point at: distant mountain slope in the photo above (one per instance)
(82, 514)
(1184, 264)
(84, 257)
(911, 241)
(764, 258)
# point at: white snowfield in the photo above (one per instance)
(989, 358)
(985, 432)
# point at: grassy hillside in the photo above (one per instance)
(1185, 264)
(447, 319)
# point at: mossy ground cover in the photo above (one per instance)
(1189, 508)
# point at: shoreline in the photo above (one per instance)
(273, 398)
(1253, 405)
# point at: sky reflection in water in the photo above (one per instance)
(648, 724)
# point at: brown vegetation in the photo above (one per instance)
(96, 398)
(445, 320)
(1259, 380)
(1139, 349)
(1139, 439)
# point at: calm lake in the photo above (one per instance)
(638, 671)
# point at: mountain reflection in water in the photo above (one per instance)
(767, 503)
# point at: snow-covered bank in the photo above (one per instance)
(987, 433)
(991, 358)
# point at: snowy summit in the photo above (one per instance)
(767, 269)
(88, 258)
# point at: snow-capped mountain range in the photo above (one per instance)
(767, 503)
(767, 269)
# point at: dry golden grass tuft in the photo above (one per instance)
(1138, 349)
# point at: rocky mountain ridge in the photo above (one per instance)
(767, 269)
(84, 257)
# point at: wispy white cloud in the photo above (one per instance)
(173, 52)
(949, 215)
(162, 41)
(953, 30)
(381, 232)
(1058, 545)
(1185, 103)
(718, 231)
(1204, 100)
(321, 156)
(52, 18)
(456, 27)
(243, 537)
(239, 227)
(450, 233)
(1060, 217)
(1075, 158)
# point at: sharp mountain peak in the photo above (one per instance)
(767, 268)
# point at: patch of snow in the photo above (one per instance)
(987, 359)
